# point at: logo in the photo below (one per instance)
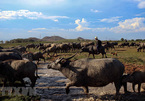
(18, 91)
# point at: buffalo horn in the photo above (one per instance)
(71, 57)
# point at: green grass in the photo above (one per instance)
(130, 55)
(127, 55)
(19, 98)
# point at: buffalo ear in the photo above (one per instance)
(63, 61)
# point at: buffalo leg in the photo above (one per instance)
(33, 80)
(117, 86)
(105, 55)
(5, 81)
(89, 55)
(38, 61)
(102, 55)
(139, 85)
(133, 87)
(23, 84)
(44, 59)
(125, 87)
(67, 87)
(93, 56)
(86, 90)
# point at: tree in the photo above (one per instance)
(132, 39)
(122, 39)
(1, 42)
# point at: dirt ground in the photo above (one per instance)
(51, 87)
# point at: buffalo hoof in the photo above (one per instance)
(67, 90)
(127, 92)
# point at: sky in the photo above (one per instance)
(70, 19)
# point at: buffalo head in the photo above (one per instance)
(127, 78)
(139, 49)
(28, 56)
(84, 49)
(59, 63)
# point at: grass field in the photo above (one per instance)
(129, 56)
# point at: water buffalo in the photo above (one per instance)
(42, 48)
(141, 46)
(85, 44)
(1, 47)
(20, 49)
(124, 44)
(109, 45)
(136, 77)
(10, 50)
(90, 72)
(30, 46)
(51, 49)
(64, 47)
(16, 70)
(6, 73)
(93, 50)
(76, 46)
(10, 55)
(34, 56)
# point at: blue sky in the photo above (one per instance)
(106, 19)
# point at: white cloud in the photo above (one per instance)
(112, 19)
(27, 14)
(54, 18)
(130, 26)
(39, 29)
(82, 25)
(133, 25)
(140, 14)
(95, 11)
(105, 29)
(141, 4)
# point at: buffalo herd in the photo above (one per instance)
(17, 63)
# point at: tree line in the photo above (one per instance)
(31, 40)
(20, 41)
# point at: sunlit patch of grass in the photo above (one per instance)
(133, 60)
(19, 98)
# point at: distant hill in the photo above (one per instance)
(52, 38)
(80, 38)
(47, 38)
(33, 38)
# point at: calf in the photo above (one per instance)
(136, 77)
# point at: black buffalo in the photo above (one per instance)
(93, 50)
